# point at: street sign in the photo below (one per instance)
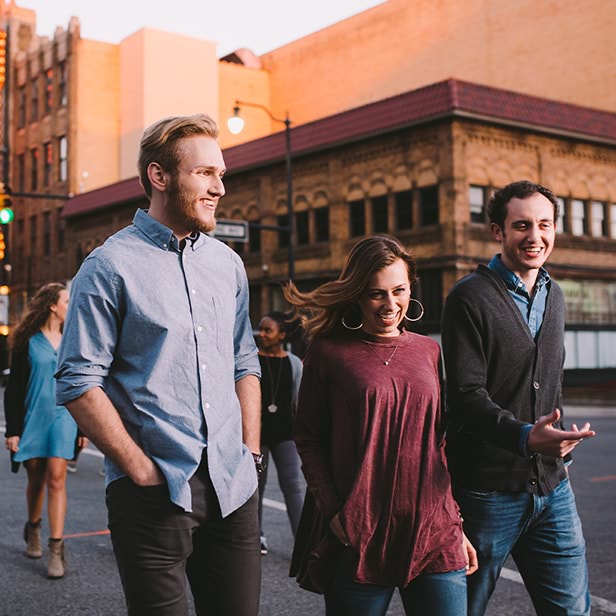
(4, 309)
(231, 230)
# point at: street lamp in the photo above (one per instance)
(236, 124)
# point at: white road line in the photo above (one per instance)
(92, 452)
(268, 502)
(596, 602)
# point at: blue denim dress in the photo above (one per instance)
(49, 430)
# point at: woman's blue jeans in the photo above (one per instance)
(434, 594)
(544, 536)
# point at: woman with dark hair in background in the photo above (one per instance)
(379, 512)
(40, 433)
(281, 373)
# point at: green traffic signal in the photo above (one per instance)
(6, 215)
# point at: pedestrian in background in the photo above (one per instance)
(379, 512)
(39, 433)
(281, 375)
(159, 366)
(503, 341)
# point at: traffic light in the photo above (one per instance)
(2, 57)
(2, 246)
(6, 213)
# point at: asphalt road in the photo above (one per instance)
(92, 586)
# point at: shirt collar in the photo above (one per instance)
(161, 235)
(512, 280)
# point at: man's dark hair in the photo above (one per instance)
(497, 206)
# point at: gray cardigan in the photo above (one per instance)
(498, 380)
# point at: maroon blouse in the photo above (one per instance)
(371, 444)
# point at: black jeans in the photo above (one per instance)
(157, 545)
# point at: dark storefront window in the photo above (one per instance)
(302, 228)
(404, 209)
(428, 205)
(321, 224)
(380, 214)
(357, 218)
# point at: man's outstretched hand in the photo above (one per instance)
(546, 439)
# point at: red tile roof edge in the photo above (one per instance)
(432, 102)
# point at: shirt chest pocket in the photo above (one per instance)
(224, 315)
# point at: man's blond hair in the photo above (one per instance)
(161, 143)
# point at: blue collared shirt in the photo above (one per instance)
(163, 328)
(531, 307)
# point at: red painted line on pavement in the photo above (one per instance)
(93, 533)
(606, 478)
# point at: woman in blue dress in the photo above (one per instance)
(40, 434)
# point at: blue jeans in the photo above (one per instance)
(438, 594)
(544, 536)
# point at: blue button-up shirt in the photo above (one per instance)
(163, 328)
(532, 309)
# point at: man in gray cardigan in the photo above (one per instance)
(503, 343)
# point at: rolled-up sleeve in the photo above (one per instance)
(245, 350)
(90, 330)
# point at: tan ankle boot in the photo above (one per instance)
(55, 568)
(32, 537)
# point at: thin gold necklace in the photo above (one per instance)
(385, 361)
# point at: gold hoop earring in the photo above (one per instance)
(420, 314)
(349, 327)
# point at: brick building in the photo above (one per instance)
(421, 166)
(378, 144)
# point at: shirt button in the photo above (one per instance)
(536, 384)
(199, 329)
(207, 405)
(533, 481)
(193, 291)
(203, 367)
(164, 245)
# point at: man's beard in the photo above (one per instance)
(184, 209)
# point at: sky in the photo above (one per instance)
(260, 25)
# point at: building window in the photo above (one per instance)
(404, 209)
(578, 217)
(477, 200)
(357, 218)
(380, 215)
(430, 293)
(254, 237)
(61, 231)
(428, 205)
(62, 159)
(63, 84)
(34, 157)
(21, 172)
(46, 234)
(48, 149)
(561, 221)
(321, 224)
(282, 220)
(48, 90)
(302, 228)
(34, 99)
(598, 223)
(21, 107)
(33, 234)
(613, 220)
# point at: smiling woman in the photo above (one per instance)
(369, 433)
